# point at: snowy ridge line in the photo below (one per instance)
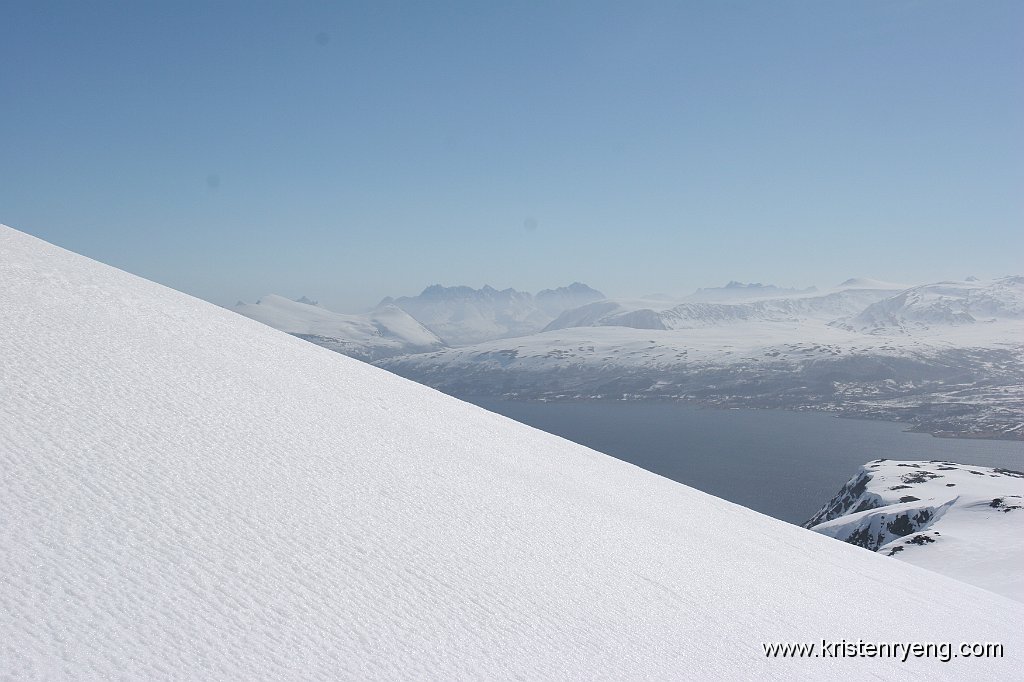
(385, 332)
(188, 494)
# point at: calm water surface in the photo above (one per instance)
(784, 464)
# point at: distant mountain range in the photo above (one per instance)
(947, 357)
(734, 291)
(461, 315)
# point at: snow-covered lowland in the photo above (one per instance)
(960, 520)
(189, 494)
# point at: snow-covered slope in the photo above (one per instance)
(462, 315)
(185, 493)
(386, 331)
(964, 521)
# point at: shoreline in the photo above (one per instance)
(1016, 435)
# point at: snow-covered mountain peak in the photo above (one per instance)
(188, 494)
(735, 291)
(556, 301)
(462, 315)
(942, 305)
(869, 283)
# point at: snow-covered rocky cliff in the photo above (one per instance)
(964, 521)
(189, 494)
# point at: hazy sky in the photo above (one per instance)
(346, 151)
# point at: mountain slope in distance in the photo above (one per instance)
(382, 333)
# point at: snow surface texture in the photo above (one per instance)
(964, 521)
(387, 331)
(186, 493)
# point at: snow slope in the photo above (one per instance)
(964, 521)
(188, 494)
(386, 331)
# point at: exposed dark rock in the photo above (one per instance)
(919, 477)
(900, 525)
(865, 505)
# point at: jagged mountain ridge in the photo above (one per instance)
(740, 291)
(462, 315)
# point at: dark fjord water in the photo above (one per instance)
(784, 464)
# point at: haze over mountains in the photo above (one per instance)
(462, 315)
(947, 357)
(188, 494)
(386, 331)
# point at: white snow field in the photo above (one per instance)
(189, 494)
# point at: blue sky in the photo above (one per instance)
(348, 151)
